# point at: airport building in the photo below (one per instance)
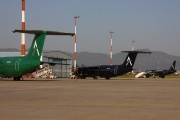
(57, 62)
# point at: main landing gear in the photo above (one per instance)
(16, 78)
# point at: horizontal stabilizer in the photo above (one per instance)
(41, 31)
(52, 64)
(136, 52)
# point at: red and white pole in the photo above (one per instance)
(23, 28)
(75, 43)
(132, 50)
(111, 48)
(133, 45)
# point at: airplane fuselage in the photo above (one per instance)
(108, 71)
(17, 66)
(160, 73)
(105, 71)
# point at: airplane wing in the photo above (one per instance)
(41, 31)
(136, 52)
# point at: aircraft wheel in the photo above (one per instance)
(147, 76)
(16, 78)
(107, 78)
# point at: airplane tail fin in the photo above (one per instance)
(36, 48)
(131, 57)
(173, 66)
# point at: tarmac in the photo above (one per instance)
(89, 99)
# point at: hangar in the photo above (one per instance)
(59, 63)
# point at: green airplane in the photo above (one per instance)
(18, 66)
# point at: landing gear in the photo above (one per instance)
(162, 76)
(107, 78)
(82, 77)
(147, 76)
(95, 77)
(16, 78)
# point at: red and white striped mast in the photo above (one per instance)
(133, 45)
(111, 48)
(75, 43)
(132, 50)
(23, 28)
(158, 64)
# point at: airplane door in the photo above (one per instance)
(115, 70)
(17, 64)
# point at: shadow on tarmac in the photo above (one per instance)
(38, 80)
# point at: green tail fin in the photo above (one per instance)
(36, 48)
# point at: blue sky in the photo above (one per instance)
(153, 24)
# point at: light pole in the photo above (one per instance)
(133, 45)
(75, 17)
(111, 48)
